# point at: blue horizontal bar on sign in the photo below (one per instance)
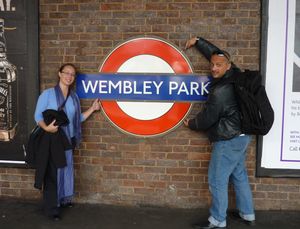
(143, 87)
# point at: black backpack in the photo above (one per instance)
(257, 114)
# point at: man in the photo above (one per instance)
(220, 118)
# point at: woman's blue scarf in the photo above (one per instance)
(60, 99)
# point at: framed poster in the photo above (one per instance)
(279, 150)
(19, 86)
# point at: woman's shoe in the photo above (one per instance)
(67, 205)
(56, 218)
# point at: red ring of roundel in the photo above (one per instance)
(145, 46)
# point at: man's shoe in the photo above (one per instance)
(236, 216)
(206, 225)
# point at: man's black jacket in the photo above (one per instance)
(220, 116)
(44, 146)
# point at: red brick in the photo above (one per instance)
(111, 6)
(4, 184)
(145, 191)
(157, 170)
(188, 193)
(47, 8)
(288, 188)
(249, 6)
(69, 36)
(201, 6)
(145, 162)
(134, 155)
(156, 6)
(108, 176)
(163, 28)
(167, 163)
(197, 185)
(277, 195)
(214, 14)
(177, 185)
(155, 184)
(199, 156)
(226, 6)
(58, 15)
(134, 6)
(68, 7)
(179, 6)
(156, 156)
(177, 156)
(169, 14)
(133, 183)
(112, 168)
(177, 170)
(161, 148)
(101, 161)
(10, 192)
(266, 187)
(182, 178)
(30, 194)
(294, 196)
(189, 163)
(133, 169)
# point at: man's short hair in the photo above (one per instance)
(222, 53)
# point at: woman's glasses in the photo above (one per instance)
(69, 74)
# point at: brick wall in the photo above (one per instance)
(114, 168)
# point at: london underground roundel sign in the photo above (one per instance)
(145, 55)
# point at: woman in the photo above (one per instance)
(58, 187)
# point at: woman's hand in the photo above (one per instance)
(96, 105)
(51, 128)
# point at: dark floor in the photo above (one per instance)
(15, 214)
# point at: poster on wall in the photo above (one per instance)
(18, 76)
(280, 150)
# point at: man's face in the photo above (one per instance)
(219, 65)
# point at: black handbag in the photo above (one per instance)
(30, 146)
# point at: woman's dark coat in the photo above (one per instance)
(44, 146)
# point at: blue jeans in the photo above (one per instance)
(228, 163)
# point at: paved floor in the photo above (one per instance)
(24, 215)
